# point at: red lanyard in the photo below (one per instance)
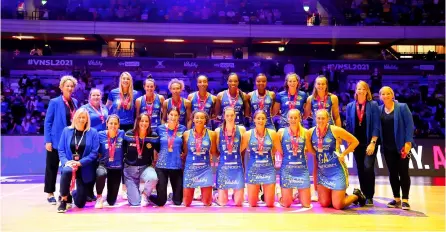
(111, 148)
(99, 112)
(139, 146)
(201, 103)
(260, 141)
(320, 136)
(232, 100)
(125, 101)
(321, 104)
(149, 106)
(230, 142)
(198, 141)
(292, 104)
(261, 100)
(69, 107)
(177, 105)
(360, 112)
(294, 140)
(171, 139)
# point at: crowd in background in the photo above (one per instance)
(23, 107)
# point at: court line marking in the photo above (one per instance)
(20, 191)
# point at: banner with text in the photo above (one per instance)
(132, 64)
(414, 67)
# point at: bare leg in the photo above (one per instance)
(324, 196)
(222, 197)
(305, 197)
(238, 196)
(269, 192)
(206, 195)
(188, 195)
(287, 197)
(340, 201)
(253, 194)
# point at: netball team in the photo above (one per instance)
(151, 140)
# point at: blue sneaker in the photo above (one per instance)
(52, 200)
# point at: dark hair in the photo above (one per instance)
(201, 111)
(288, 77)
(173, 109)
(223, 125)
(113, 116)
(260, 75)
(149, 78)
(136, 125)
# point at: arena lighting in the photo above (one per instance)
(74, 38)
(174, 40)
(306, 8)
(368, 43)
(223, 41)
(281, 49)
(124, 39)
(319, 43)
(23, 37)
(406, 57)
(271, 42)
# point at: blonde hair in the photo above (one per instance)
(320, 77)
(76, 115)
(288, 76)
(130, 91)
(301, 128)
(325, 111)
(176, 81)
(95, 89)
(386, 88)
(364, 84)
(65, 79)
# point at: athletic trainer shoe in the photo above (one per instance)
(62, 207)
(394, 204)
(369, 202)
(361, 198)
(52, 200)
(405, 206)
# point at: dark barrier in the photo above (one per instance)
(384, 66)
(25, 155)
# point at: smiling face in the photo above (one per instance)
(294, 117)
(261, 82)
(386, 94)
(95, 97)
(321, 85)
(230, 115)
(202, 83)
(173, 117)
(67, 88)
(144, 123)
(260, 119)
(233, 81)
(322, 118)
(113, 124)
(81, 120)
(200, 119)
(175, 89)
(149, 87)
(292, 82)
(125, 81)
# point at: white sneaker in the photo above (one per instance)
(99, 203)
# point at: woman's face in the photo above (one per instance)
(68, 88)
(202, 83)
(260, 120)
(261, 82)
(294, 118)
(321, 119)
(175, 89)
(95, 97)
(292, 82)
(113, 124)
(321, 85)
(173, 116)
(149, 87)
(386, 95)
(144, 122)
(233, 82)
(81, 120)
(199, 119)
(125, 80)
(230, 116)
(361, 91)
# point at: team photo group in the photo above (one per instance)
(134, 139)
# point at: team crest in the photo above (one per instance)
(328, 140)
(268, 142)
(179, 134)
(205, 142)
(149, 145)
(236, 140)
(119, 140)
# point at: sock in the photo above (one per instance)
(397, 199)
(406, 200)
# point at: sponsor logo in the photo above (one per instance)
(390, 67)
(95, 63)
(160, 64)
(349, 66)
(224, 65)
(129, 64)
(190, 64)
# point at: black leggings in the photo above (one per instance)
(398, 173)
(51, 169)
(366, 170)
(113, 177)
(176, 180)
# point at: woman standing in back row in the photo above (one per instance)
(151, 103)
(177, 102)
(262, 99)
(202, 100)
(363, 122)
